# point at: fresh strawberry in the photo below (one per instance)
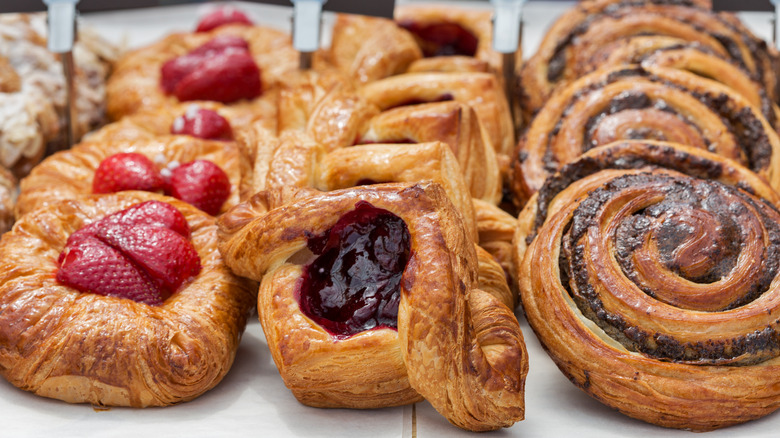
(226, 77)
(127, 171)
(140, 253)
(93, 266)
(222, 16)
(165, 255)
(202, 123)
(200, 183)
(222, 70)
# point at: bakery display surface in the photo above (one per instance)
(252, 398)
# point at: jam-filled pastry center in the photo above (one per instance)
(442, 39)
(353, 284)
(142, 253)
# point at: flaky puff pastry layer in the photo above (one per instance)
(67, 174)
(456, 345)
(644, 292)
(481, 91)
(85, 348)
(135, 82)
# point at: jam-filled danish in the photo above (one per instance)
(118, 300)
(651, 280)
(635, 102)
(362, 289)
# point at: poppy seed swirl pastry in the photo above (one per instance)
(587, 28)
(634, 102)
(655, 291)
(61, 342)
(367, 337)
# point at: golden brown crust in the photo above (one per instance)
(9, 190)
(9, 78)
(481, 91)
(86, 348)
(70, 173)
(367, 49)
(635, 102)
(661, 328)
(586, 29)
(443, 318)
(135, 83)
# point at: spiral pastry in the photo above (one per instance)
(424, 303)
(584, 30)
(634, 102)
(655, 291)
(660, 51)
(59, 342)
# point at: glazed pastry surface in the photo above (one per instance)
(85, 348)
(67, 174)
(648, 272)
(634, 102)
(477, 382)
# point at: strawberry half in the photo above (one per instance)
(200, 183)
(127, 171)
(222, 16)
(202, 123)
(221, 70)
(140, 253)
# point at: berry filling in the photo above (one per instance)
(353, 284)
(142, 253)
(221, 70)
(202, 123)
(200, 182)
(442, 39)
(222, 16)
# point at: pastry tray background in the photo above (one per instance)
(252, 399)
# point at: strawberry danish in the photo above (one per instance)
(228, 61)
(118, 300)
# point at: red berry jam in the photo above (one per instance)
(354, 283)
(442, 39)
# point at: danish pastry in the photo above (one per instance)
(234, 64)
(655, 291)
(592, 25)
(634, 102)
(60, 342)
(72, 172)
(32, 94)
(427, 309)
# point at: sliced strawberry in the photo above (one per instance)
(174, 70)
(165, 255)
(92, 266)
(200, 183)
(226, 77)
(222, 16)
(202, 123)
(219, 44)
(127, 171)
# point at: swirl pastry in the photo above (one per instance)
(235, 64)
(585, 29)
(660, 51)
(83, 347)
(67, 174)
(655, 291)
(32, 89)
(428, 304)
(634, 102)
